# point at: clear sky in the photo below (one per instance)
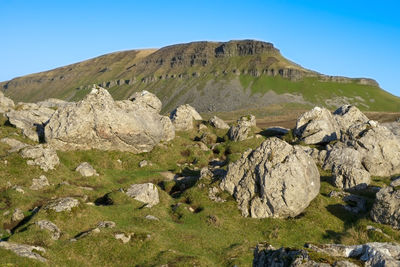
(349, 38)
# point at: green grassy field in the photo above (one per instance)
(192, 229)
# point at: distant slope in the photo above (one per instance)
(212, 76)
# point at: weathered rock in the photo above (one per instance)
(317, 126)
(151, 218)
(319, 156)
(241, 130)
(275, 131)
(106, 224)
(356, 203)
(213, 194)
(183, 116)
(147, 100)
(386, 208)
(85, 169)
(394, 127)
(52, 103)
(274, 180)
(124, 238)
(146, 193)
(6, 104)
(218, 123)
(168, 129)
(373, 254)
(31, 119)
(143, 163)
(208, 138)
(18, 215)
(347, 116)
(97, 122)
(379, 148)
(49, 226)
(62, 204)
(39, 183)
(43, 156)
(15, 145)
(395, 182)
(267, 256)
(24, 250)
(205, 173)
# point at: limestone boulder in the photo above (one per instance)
(218, 123)
(379, 147)
(146, 100)
(41, 155)
(98, 122)
(317, 126)
(242, 129)
(39, 183)
(51, 227)
(146, 193)
(386, 208)
(6, 104)
(86, 170)
(347, 116)
(31, 119)
(274, 180)
(183, 116)
(22, 250)
(62, 204)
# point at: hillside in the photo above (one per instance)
(211, 76)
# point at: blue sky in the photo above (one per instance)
(348, 38)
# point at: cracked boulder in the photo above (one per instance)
(182, 117)
(274, 180)
(146, 193)
(386, 208)
(98, 122)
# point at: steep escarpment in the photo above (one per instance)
(211, 76)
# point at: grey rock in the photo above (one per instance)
(183, 116)
(39, 183)
(106, 224)
(152, 218)
(274, 180)
(62, 204)
(124, 238)
(349, 115)
(205, 173)
(267, 256)
(317, 126)
(18, 215)
(14, 144)
(52, 103)
(86, 170)
(386, 208)
(146, 193)
(357, 204)
(380, 149)
(24, 250)
(319, 156)
(31, 119)
(98, 122)
(218, 123)
(41, 155)
(168, 129)
(6, 104)
(394, 127)
(213, 194)
(147, 100)
(395, 182)
(49, 226)
(241, 130)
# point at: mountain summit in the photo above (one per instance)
(211, 76)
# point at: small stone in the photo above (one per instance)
(395, 182)
(106, 224)
(143, 163)
(39, 183)
(18, 189)
(18, 215)
(152, 218)
(49, 226)
(191, 209)
(146, 193)
(119, 161)
(168, 176)
(124, 238)
(86, 170)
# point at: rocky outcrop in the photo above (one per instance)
(373, 254)
(218, 123)
(51, 227)
(347, 116)
(386, 208)
(62, 204)
(41, 155)
(31, 119)
(241, 130)
(86, 170)
(183, 116)
(274, 180)
(39, 183)
(379, 147)
(14, 144)
(317, 126)
(24, 250)
(146, 100)
(52, 103)
(6, 104)
(97, 122)
(146, 193)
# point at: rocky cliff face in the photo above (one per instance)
(181, 74)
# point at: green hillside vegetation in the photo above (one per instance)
(192, 229)
(187, 73)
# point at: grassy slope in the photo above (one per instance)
(215, 235)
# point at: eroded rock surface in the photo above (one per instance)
(41, 155)
(62, 204)
(183, 116)
(51, 227)
(6, 104)
(274, 180)
(218, 123)
(386, 209)
(146, 193)
(24, 250)
(98, 122)
(86, 170)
